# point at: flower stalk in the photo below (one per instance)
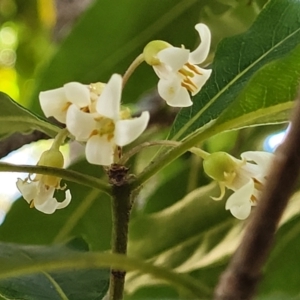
(137, 61)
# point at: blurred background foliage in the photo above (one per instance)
(46, 43)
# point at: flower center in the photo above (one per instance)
(187, 73)
(105, 127)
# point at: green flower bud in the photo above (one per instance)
(50, 158)
(151, 50)
(219, 165)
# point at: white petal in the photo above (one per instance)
(163, 71)
(77, 93)
(174, 57)
(108, 103)
(99, 151)
(54, 104)
(173, 93)
(44, 194)
(199, 55)
(239, 202)
(49, 206)
(29, 190)
(79, 123)
(261, 158)
(199, 80)
(127, 131)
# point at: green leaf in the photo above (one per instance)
(68, 284)
(274, 34)
(14, 117)
(186, 236)
(109, 37)
(194, 236)
(265, 99)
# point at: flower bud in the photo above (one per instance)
(219, 165)
(50, 158)
(151, 50)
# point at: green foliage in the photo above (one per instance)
(237, 70)
(15, 118)
(180, 240)
(69, 284)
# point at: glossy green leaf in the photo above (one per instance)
(69, 284)
(274, 35)
(109, 37)
(14, 118)
(261, 103)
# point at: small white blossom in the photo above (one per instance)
(40, 196)
(39, 192)
(245, 177)
(55, 103)
(106, 128)
(177, 68)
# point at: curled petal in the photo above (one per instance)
(99, 151)
(199, 55)
(174, 57)
(77, 93)
(127, 131)
(173, 93)
(108, 103)
(199, 80)
(54, 104)
(51, 205)
(239, 203)
(79, 123)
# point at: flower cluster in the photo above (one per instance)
(39, 191)
(93, 114)
(179, 75)
(245, 177)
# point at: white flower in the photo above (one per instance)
(55, 103)
(245, 177)
(177, 68)
(38, 192)
(107, 127)
(40, 196)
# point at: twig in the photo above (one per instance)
(243, 273)
(18, 140)
(121, 207)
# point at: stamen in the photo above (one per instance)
(183, 84)
(253, 199)
(193, 68)
(66, 106)
(85, 109)
(185, 73)
(94, 132)
(31, 204)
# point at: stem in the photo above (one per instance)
(121, 206)
(60, 138)
(199, 152)
(69, 175)
(138, 60)
(165, 159)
